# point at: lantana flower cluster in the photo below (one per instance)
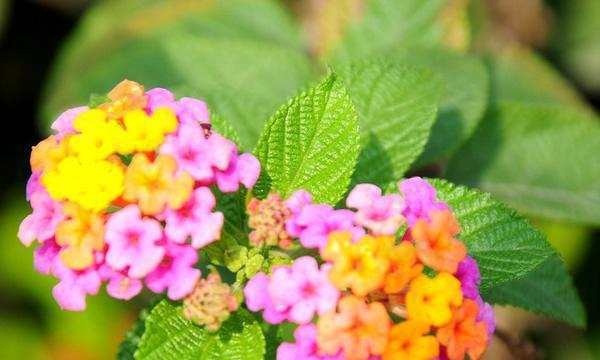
(123, 194)
(392, 280)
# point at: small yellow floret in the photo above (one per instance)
(91, 184)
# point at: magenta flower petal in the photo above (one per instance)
(44, 256)
(420, 199)
(382, 214)
(192, 111)
(41, 223)
(194, 219)
(133, 242)
(176, 272)
(63, 125)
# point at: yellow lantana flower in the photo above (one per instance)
(361, 266)
(146, 133)
(155, 184)
(80, 236)
(91, 184)
(431, 299)
(409, 340)
(99, 138)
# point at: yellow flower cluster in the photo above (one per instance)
(82, 168)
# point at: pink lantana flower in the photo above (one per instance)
(188, 110)
(63, 125)
(176, 272)
(197, 155)
(44, 255)
(41, 223)
(133, 242)
(382, 214)
(243, 169)
(469, 277)
(33, 185)
(420, 199)
(194, 219)
(70, 293)
(258, 298)
(313, 224)
(120, 286)
(305, 348)
(192, 111)
(159, 98)
(303, 290)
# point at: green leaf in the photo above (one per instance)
(519, 74)
(129, 345)
(541, 160)
(576, 45)
(244, 57)
(396, 106)
(170, 336)
(311, 143)
(504, 244)
(388, 23)
(547, 290)
(463, 102)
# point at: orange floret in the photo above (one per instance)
(155, 184)
(436, 245)
(403, 267)
(360, 329)
(464, 334)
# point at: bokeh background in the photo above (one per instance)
(32, 37)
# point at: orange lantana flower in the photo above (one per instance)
(359, 266)
(408, 340)
(126, 96)
(155, 184)
(80, 235)
(48, 153)
(360, 329)
(403, 267)
(464, 334)
(436, 245)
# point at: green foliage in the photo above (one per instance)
(577, 44)
(311, 143)
(504, 244)
(537, 159)
(396, 106)
(133, 337)
(463, 101)
(519, 74)
(223, 51)
(548, 290)
(386, 24)
(169, 335)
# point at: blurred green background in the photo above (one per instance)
(55, 52)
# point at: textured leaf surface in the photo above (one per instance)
(169, 336)
(541, 160)
(311, 143)
(384, 24)
(396, 106)
(504, 244)
(547, 290)
(243, 56)
(463, 102)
